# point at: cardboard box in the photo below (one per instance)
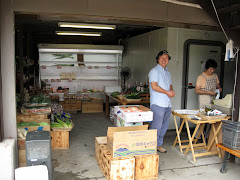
(122, 123)
(115, 120)
(134, 167)
(146, 115)
(25, 118)
(37, 128)
(131, 141)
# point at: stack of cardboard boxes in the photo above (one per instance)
(129, 152)
(131, 115)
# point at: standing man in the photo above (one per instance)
(161, 91)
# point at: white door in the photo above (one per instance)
(198, 55)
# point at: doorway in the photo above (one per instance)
(196, 53)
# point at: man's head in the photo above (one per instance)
(210, 66)
(163, 58)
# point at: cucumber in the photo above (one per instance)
(62, 123)
(56, 125)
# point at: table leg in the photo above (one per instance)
(107, 106)
(178, 133)
(215, 138)
(199, 133)
(203, 137)
(224, 164)
(190, 140)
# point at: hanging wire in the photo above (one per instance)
(219, 20)
(233, 102)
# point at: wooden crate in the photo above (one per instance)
(146, 167)
(30, 118)
(21, 156)
(92, 107)
(72, 105)
(21, 164)
(21, 144)
(60, 139)
(113, 168)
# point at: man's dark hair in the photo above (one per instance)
(211, 63)
(161, 53)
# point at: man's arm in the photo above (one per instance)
(157, 88)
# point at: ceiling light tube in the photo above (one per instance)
(75, 33)
(82, 25)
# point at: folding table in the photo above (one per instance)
(192, 141)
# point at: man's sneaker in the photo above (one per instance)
(161, 149)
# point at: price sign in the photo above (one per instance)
(69, 80)
(44, 67)
(109, 67)
(96, 67)
(89, 67)
(59, 67)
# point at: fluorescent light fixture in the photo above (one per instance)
(49, 50)
(75, 33)
(83, 25)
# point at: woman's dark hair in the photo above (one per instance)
(211, 63)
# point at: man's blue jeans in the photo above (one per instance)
(161, 116)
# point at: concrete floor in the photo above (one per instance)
(78, 162)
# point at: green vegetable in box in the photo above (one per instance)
(133, 96)
(23, 124)
(43, 124)
(56, 125)
(114, 94)
(39, 99)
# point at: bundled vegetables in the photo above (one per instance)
(114, 94)
(62, 120)
(23, 124)
(133, 96)
(39, 99)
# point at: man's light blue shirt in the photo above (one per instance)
(163, 78)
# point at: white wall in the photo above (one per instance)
(7, 156)
(8, 69)
(8, 146)
(140, 53)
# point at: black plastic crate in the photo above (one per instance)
(231, 124)
(230, 144)
(231, 138)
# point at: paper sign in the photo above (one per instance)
(218, 93)
(89, 67)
